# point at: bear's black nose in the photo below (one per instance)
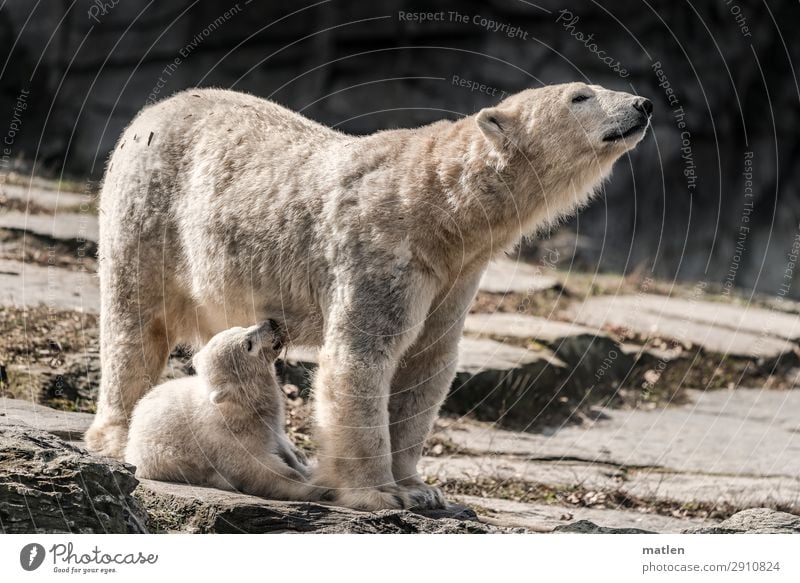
(645, 106)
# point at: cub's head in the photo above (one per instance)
(238, 363)
(565, 136)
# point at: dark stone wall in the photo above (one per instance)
(680, 206)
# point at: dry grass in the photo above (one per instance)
(42, 335)
(46, 355)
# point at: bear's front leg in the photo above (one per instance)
(421, 383)
(366, 334)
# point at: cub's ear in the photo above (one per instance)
(495, 125)
(216, 397)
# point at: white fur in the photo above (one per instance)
(220, 209)
(222, 428)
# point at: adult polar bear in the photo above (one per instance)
(221, 209)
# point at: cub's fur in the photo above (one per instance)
(223, 427)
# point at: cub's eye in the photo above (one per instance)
(579, 98)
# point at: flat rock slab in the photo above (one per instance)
(181, 508)
(740, 432)
(732, 316)
(507, 276)
(738, 331)
(65, 424)
(55, 224)
(550, 517)
(29, 285)
(43, 197)
(523, 326)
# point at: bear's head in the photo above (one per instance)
(237, 365)
(560, 141)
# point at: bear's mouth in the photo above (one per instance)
(617, 134)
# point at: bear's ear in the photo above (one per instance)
(495, 125)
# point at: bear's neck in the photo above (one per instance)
(488, 204)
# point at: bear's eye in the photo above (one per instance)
(248, 345)
(579, 98)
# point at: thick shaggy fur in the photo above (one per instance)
(223, 427)
(222, 209)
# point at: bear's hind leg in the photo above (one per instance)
(131, 363)
(136, 336)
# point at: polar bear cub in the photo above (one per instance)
(224, 427)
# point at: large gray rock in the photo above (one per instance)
(729, 315)
(494, 381)
(754, 521)
(596, 362)
(499, 382)
(723, 451)
(48, 485)
(588, 527)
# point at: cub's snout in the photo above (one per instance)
(269, 335)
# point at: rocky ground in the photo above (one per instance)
(583, 403)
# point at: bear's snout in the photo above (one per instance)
(644, 106)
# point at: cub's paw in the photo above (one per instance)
(107, 438)
(423, 496)
(370, 499)
(295, 459)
